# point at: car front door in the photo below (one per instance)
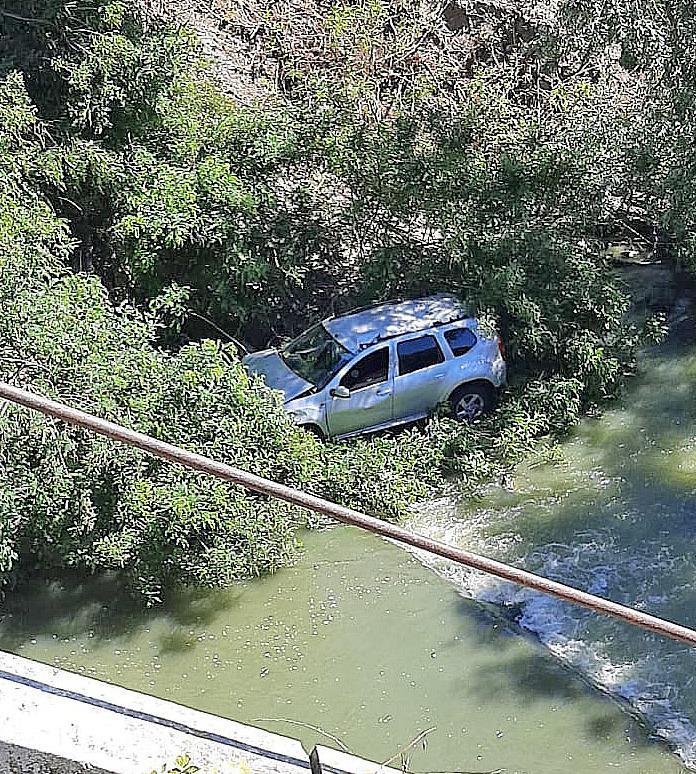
(370, 386)
(420, 379)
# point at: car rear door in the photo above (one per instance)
(420, 380)
(370, 381)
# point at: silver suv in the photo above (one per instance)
(385, 365)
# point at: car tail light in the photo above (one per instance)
(501, 346)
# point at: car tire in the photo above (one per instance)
(470, 401)
(315, 430)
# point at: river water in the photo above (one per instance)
(614, 514)
(363, 642)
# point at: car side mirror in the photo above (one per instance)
(340, 392)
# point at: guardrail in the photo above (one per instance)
(345, 515)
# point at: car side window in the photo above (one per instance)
(371, 369)
(416, 354)
(460, 340)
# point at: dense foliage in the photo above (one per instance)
(69, 498)
(494, 153)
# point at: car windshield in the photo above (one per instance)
(315, 355)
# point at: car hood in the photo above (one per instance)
(276, 374)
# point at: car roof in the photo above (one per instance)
(363, 327)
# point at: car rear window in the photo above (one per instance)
(460, 340)
(416, 354)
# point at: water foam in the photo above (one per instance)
(652, 679)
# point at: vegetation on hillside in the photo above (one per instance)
(492, 151)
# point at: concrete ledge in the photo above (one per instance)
(90, 725)
(58, 722)
(325, 760)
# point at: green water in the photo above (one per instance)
(360, 640)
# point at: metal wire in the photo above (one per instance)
(345, 515)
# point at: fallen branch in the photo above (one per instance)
(26, 19)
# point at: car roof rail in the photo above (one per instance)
(380, 337)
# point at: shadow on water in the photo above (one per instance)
(532, 674)
(100, 608)
(628, 458)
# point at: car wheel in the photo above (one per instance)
(470, 401)
(315, 430)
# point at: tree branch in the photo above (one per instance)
(27, 19)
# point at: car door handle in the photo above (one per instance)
(438, 376)
(383, 392)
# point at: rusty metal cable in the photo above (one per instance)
(345, 515)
